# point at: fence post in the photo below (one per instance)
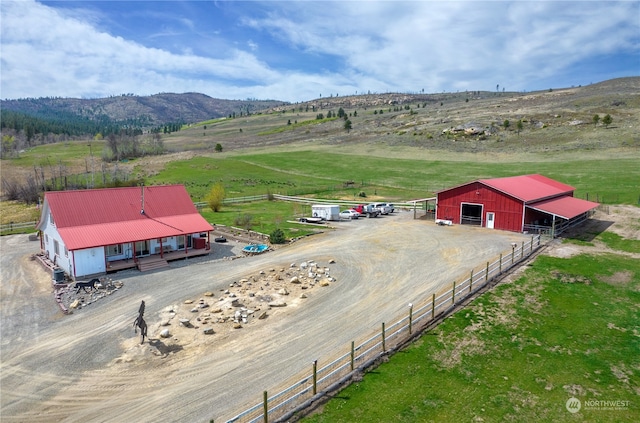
(522, 252)
(410, 317)
(453, 293)
(433, 307)
(500, 264)
(384, 344)
(531, 249)
(471, 280)
(486, 275)
(513, 252)
(265, 399)
(353, 354)
(315, 377)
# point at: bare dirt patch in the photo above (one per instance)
(618, 278)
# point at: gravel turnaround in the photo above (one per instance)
(89, 366)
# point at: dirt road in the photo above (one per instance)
(89, 366)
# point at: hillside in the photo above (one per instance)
(553, 120)
(551, 125)
(146, 111)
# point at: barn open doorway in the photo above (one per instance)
(471, 214)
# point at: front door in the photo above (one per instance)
(142, 248)
(490, 218)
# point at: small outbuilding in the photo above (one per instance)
(89, 232)
(526, 203)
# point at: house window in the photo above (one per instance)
(114, 250)
(181, 242)
(56, 247)
(66, 252)
(46, 238)
(51, 219)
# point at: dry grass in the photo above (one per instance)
(13, 211)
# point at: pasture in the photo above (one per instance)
(568, 327)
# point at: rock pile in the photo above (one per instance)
(245, 301)
(70, 297)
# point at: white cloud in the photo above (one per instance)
(435, 45)
(45, 53)
(360, 46)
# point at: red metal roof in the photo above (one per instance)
(566, 207)
(91, 218)
(528, 187)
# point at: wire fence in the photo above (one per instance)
(294, 396)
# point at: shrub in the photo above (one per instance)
(277, 236)
(362, 194)
(216, 197)
(244, 221)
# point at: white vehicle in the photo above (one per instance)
(326, 211)
(383, 208)
(391, 206)
(349, 214)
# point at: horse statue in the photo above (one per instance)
(140, 323)
(84, 285)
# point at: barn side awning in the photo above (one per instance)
(566, 207)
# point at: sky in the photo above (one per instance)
(301, 50)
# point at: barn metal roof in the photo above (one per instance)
(566, 207)
(91, 218)
(529, 188)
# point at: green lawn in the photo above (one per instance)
(266, 216)
(567, 328)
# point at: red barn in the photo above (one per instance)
(531, 203)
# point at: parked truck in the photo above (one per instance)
(383, 208)
(367, 210)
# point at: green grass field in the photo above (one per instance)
(324, 174)
(567, 328)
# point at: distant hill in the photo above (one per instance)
(136, 111)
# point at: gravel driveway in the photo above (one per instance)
(89, 366)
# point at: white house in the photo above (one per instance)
(89, 232)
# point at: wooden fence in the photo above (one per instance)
(18, 226)
(322, 379)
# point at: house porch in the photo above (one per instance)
(155, 261)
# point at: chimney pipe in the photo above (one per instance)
(142, 200)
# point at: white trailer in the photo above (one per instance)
(326, 211)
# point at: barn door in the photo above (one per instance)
(490, 219)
